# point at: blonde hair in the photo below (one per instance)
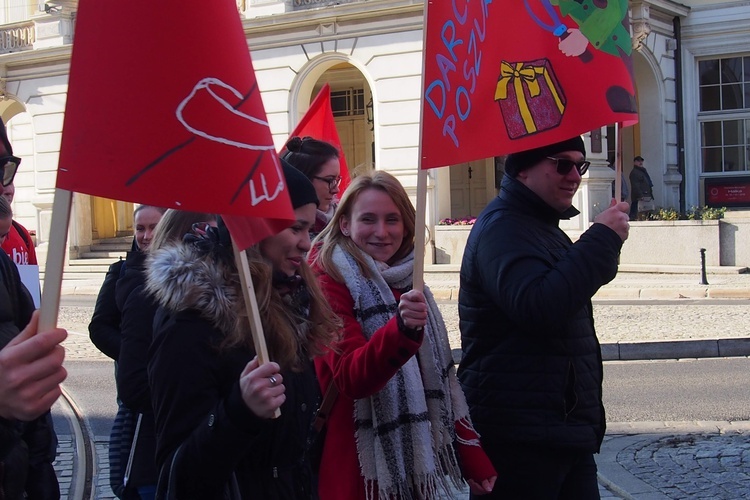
(332, 235)
(175, 224)
(281, 324)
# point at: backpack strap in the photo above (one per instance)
(22, 233)
(321, 416)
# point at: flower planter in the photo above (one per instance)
(673, 243)
(450, 242)
(650, 242)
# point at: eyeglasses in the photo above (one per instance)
(564, 166)
(333, 182)
(9, 168)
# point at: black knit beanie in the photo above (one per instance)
(516, 162)
(301, 190)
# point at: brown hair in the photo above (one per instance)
(174, 225)
(280, 324)
(332, 235)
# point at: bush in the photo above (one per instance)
(706, 213)
(695, 213)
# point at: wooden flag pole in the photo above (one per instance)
(618, 163)
(419, 231)
(53, 270)
(251, 304)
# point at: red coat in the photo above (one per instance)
(17, 249)
(360, 368)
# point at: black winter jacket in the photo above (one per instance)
(531, 366)
(27, 449)
(206, 435)
(137, 310)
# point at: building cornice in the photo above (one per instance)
(332, 23)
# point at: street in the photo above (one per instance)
(713, 389)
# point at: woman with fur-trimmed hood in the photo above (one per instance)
(213, 403)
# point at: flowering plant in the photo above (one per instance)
(463, 221)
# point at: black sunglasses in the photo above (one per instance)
(333, 182)
(9, 165)
(564, 166)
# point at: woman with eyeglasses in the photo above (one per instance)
(319, 161)
(213, 403)
(400, 419)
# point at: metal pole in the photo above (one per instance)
(704, 281)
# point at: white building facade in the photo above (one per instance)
(692, 70)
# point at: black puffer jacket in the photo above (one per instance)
(531, 367)
(206, 435)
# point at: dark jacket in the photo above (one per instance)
(206, 435)
(27, 449)
(104, 328)
(640, 184)
(531, 366)
(137, 310)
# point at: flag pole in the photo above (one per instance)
(251, 305)
(618, 163)
(419, 223)
(419, 229)
(53, 270)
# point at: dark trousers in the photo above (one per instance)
(538, 473)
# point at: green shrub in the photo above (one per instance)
(706, 213)
(694, 213)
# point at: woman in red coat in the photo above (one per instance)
(399, 427)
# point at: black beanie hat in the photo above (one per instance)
(301, 190)
(516, 162)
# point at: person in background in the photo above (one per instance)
(641, 188)
(400, 418)
(624, 190)
(212, 401)
(137, 309)
(30, 375)
(104, 328)
(532, 366)
(319, 161)
(18, 245)
(105, 333)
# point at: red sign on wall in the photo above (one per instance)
(728, 192)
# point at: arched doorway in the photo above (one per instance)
(110, 218)
(352, 105)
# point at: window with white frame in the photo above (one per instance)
(724, 115)
(348, 102)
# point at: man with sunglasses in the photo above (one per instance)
(532, 366)
(30, 375)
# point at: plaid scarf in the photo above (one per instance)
(405, 432)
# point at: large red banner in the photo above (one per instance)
(502, 77)
(163, 108)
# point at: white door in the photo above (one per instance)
(352, 135)
(468, 189)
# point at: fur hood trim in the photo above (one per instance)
(182, 277)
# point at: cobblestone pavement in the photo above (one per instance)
(693, 465)
(678, 463)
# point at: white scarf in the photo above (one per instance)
(405, 432)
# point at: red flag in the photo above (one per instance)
(502, 77)
(318, 123)
(179, 123)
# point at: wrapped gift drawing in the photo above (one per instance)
(530, 97)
